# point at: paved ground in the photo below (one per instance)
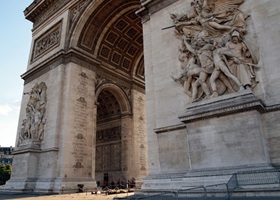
(78, 196)
(88, 196)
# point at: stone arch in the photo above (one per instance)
(84, 72)
(111, 33)
(120, 95)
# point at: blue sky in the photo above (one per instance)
(15, 40)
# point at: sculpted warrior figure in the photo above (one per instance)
(232, 59)
(190, 72)
(222, 66)
(33, 126)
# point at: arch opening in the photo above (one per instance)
(112, 35)
(108, 139)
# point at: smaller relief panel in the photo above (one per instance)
(32, 127)
(47, 42)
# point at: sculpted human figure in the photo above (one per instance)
(189, 74)
(237, 52)
(218, 62)
(204, 53)
(206, 59)
(222, 65)
(210, 26)
(33, 126)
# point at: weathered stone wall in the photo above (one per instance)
(265, 16)
(139, 159)
(173, 151)
(217, 142)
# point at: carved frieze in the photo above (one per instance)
(32, 127)
(47, 41)
(45, 11)
(215, 57)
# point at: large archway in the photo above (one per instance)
(111, 34)
(89, 56)
(111, 162)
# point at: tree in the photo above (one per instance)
(5, 173)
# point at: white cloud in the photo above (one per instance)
(9, 114)
(8, 109)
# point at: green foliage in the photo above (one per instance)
(5, 173)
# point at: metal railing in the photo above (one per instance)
(192, 193)
(261, 177)
(222, 191)
(232, 185)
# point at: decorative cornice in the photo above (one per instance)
(170, 128)
(223, 105)
(40, 10)
(151, 6)
(32, 149)
(75, 56)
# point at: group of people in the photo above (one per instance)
(214, 56)
(119, 184)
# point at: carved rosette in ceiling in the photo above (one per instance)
(120, 44)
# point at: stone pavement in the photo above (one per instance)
(78, 196)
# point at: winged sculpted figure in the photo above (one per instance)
(215, 58)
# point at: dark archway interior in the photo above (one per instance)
(113, 36)
(108, 139)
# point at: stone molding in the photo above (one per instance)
(170, 128)
(33, 149)
(225, 105)
(100, 80)
(151, 6)
(62, 57)
(41, 10)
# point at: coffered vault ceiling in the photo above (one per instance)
(113, 34)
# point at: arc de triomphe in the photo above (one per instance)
(155, 92)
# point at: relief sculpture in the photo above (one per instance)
(32, 127)
(215, 58)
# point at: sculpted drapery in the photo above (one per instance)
(215, 58)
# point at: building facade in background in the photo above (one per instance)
(6, 156)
